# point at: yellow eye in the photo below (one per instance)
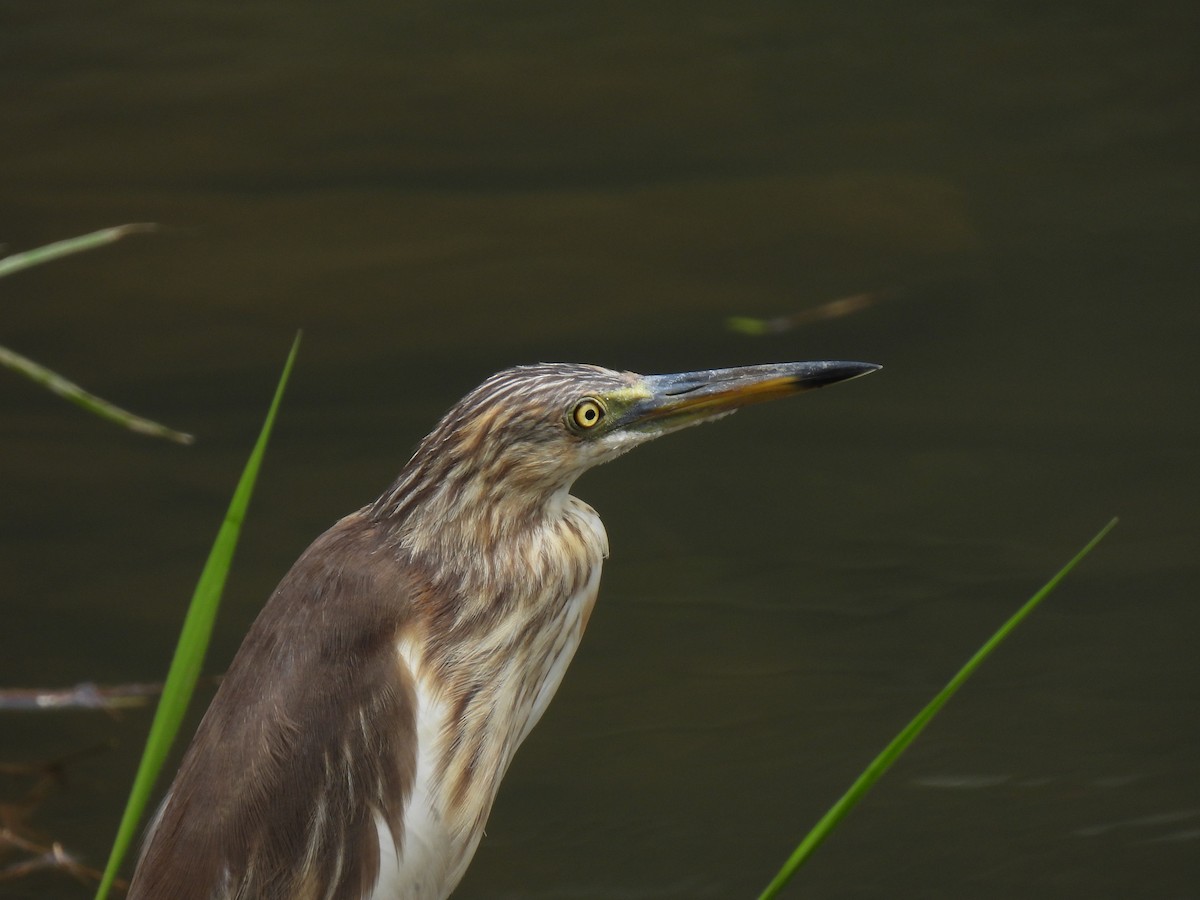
(587, 413)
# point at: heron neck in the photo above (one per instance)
(487, 543)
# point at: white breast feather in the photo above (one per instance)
(436, 849)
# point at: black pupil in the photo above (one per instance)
(589, 414)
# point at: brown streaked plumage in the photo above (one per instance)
(355, 748)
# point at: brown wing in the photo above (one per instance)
(315, 714)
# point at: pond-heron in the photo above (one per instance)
(355, 747)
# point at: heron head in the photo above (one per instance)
(526, 433)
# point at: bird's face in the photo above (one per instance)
(537, 428)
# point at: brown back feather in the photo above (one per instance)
(269, 808)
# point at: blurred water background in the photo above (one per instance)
(434, 191)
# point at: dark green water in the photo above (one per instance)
(435, 191)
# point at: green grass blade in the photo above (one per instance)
(59, 249)
(748, 325)
(52, 380)
(900, 743)
(193, 642)
(69, 390)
